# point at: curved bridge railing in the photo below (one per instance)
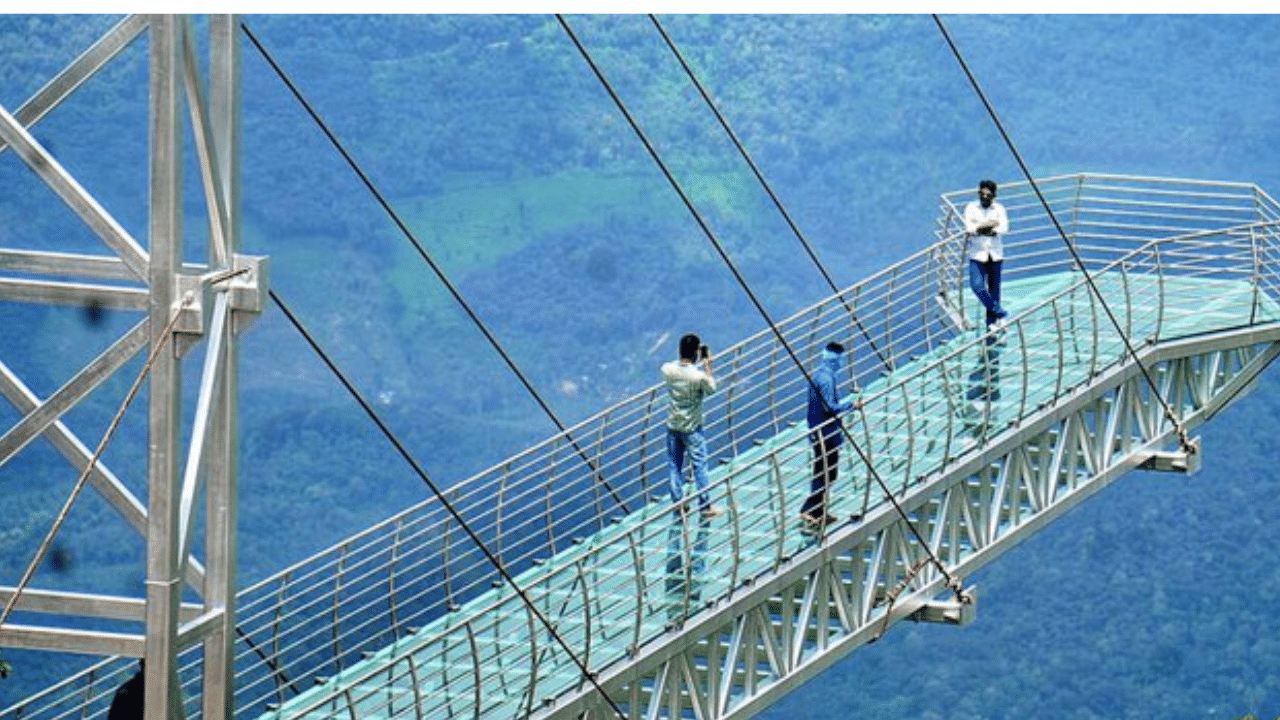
(405, 618)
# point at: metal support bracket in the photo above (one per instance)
(952, 612)
(247, 283)
(1179, 461)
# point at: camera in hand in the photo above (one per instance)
(704, 352)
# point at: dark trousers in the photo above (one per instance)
(826, 463)
(984, 280)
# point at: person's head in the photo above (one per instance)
(986, 192)
(689, 345)
(832, 353)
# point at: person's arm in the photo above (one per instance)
(827, 388)
(972, 217)
(1001, 220)
(709, 382)
(848, 402)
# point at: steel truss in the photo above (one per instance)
(737, 657)
(213, 301)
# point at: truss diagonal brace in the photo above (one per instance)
(83, 68)
(48, 412)
(60, 181)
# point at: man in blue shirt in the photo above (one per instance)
(825, 434)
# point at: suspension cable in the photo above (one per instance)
(439, 494)
(1183, 440)
(413, 240)
(887, 362)
(93, 461)
(953, 583)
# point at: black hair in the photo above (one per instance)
(689, 345)
(835, 347)
(988, 184)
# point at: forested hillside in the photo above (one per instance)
(507, 160)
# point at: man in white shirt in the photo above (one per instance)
(985, 222)
(687, 385)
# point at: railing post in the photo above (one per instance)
(637, 564)
(1256, 280)
(1155, 249)
(477, 672)
(586, 614)
(1128, 300)
(1096, 334)
(950, 394)
(911, 434)
(337, 608)
(735, 537)
(1026, 369)
(776, 466)
(730, 391)
(1057, 320)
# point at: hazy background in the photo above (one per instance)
(510, 164)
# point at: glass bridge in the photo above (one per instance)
(713, 618)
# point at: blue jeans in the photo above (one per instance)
(984, 279)
(695, 443)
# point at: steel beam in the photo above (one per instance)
(109, 607)
(43, 262)
(49, 292)
(89, 642)
(164, 590)
(247, 297)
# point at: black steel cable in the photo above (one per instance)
(404, 229)
(953, 583)
(795, 229)
(1183, 439)
(444, 501)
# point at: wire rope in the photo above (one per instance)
(1183, 440)
(952, 582)
(444, 279)
(795, 229)
(444, 501)
(93, 461)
